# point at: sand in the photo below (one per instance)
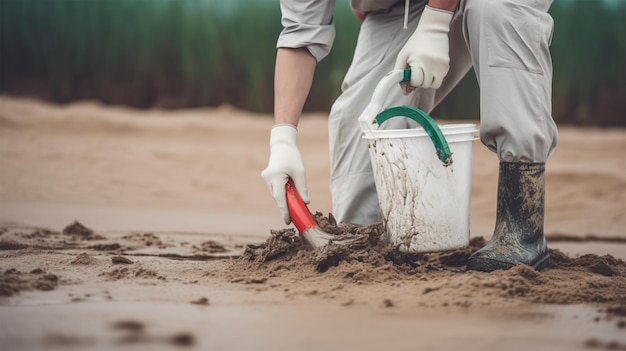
(150, 230)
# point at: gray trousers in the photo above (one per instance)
(507, 43)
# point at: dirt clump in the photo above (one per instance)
(281, 242)
(106, 247)
(286, 242)
(12, 281)
(83, 259)
(210, 246)
(121, 260)
(78, 231)
(201, 301)
(126, 272)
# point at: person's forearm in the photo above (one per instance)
(448, 5)
(292, 82)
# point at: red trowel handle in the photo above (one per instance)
(300, 215)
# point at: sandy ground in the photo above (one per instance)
(168, 202)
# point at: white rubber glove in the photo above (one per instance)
(427, 50)
(285, 162)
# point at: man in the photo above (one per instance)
(506, 41)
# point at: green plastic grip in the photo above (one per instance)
(406, 75)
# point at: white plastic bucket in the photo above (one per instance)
(424, 204)
(423, 191)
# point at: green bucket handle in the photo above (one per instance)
(424, 120)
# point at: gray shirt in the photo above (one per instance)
(309, 23)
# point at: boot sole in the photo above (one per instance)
(489, 265)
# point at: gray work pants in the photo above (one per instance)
(506, 41)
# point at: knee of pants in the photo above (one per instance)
(526, 143)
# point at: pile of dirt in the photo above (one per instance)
(433, 279)
(286, 244)
(78, 231)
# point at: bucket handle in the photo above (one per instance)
(372, 115)
(424, 120)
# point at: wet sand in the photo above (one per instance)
(169, 203)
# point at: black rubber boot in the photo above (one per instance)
(518, 236)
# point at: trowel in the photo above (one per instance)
(304, 222)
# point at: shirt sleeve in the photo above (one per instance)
(308, 24)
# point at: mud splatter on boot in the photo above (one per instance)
(518, 236)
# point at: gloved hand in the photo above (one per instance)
(285, 162)
(427, 50)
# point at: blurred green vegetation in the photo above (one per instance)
(174, 53)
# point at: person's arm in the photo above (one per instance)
(307, 37)
(292, 82)
(360, 16)
(448, 5)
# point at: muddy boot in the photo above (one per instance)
(518, 236)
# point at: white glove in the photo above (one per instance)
(285, 162)
(427, 50)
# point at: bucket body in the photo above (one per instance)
(425, 205)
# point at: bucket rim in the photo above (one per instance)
(450, 125)
(441, 126)
(453, 141)
(413, 133)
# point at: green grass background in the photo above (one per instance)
(190, 53)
